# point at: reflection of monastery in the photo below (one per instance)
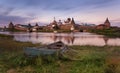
(69, 38)
(67, 25)
(72, 39)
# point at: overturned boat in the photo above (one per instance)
(57, 47)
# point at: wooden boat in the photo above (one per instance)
(46, 50)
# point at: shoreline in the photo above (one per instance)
(76, 60)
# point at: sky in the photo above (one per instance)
(44, 11)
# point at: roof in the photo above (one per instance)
(72, 22)
(101, 25)
(107, 21)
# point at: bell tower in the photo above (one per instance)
(107, 23)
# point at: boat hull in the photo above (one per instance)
(31, 51)
(57, 47)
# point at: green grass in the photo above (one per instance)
(79, 59)
(111, 32)
(5, 36)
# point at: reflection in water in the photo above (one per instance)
(36, 35)
(54, 37)
(69, 39)
(106, 40)
(29, 35)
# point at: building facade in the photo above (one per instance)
(106, 25)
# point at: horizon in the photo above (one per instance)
(43, 11)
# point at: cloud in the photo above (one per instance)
(57, 5)
(54, 4)
(97, 2)
(5, 10)
(15, 19)
(45, 10)
(5, 16)
(116, 22)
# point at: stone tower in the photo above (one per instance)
(107, 23)
(54, 24)
(72, 21)
(73, 24)
(11, 26)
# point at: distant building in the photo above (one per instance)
(101, 26)
(35, 28)
(11, 26)
(106, 25)
(21, 27)
(68, 25)
(60, 22)
(53, 25)
(28, 27)
(67, 21)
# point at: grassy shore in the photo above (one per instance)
(111, 32)
(5, 36)
(79, 59)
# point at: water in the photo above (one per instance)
(68, 38)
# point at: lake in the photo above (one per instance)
(78, 38)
